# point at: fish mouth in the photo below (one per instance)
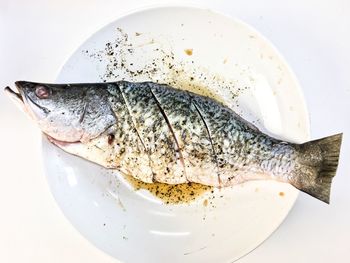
(20, 95)
(25, 102)
(16, 97)
(13, 94)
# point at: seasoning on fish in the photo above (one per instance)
(160, 134)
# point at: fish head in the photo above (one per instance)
(65, 112)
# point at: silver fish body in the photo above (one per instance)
(157, 133)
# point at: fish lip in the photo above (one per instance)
(13, 93)
(24, 97)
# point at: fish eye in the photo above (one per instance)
(42, 92)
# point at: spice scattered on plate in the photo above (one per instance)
(189, 51)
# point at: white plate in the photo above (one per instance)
(135, 226)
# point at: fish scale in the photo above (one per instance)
(127, 150)
(190, 132)
(239, 145)
(155, 133)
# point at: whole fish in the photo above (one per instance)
(157, 133)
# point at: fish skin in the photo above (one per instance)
(242, 151)
(127, 148)
(157, 133)
(217, 146)
(191, 134)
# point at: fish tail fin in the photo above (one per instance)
(317, 165)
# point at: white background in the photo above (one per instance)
(36, 37)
